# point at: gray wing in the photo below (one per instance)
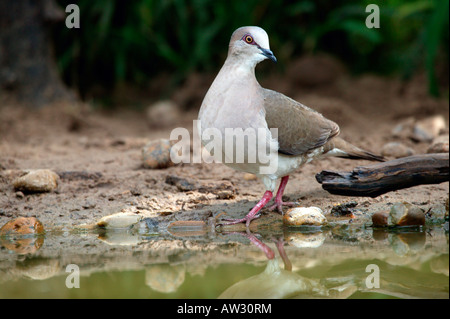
(300, 129)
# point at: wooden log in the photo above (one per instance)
(381, 178)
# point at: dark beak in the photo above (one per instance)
(268, 54)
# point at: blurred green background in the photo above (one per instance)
(134, 41)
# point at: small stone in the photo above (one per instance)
(250, 177)
(88, 205)
(22, 226)
(20, 195)
(436, 214)
(119, 220)
(225, 194)
(345, 209)
(304, 216)
(156, 154)
(380, 219)
(183, 184)
(37, 181)
(163, 114)
(427, 129)
(405, 214)
(439, 145)
(404, 128)
(396, 150)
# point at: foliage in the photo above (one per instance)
(133, 41)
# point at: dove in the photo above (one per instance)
(235, 100)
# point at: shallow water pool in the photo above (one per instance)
(339, 262)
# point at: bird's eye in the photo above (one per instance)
(248, 39)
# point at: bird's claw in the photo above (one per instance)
(279, 206)
(247, 220)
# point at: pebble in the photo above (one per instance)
(20, 195)
(404, 128)
(304, 216)
(406, 214)
(427, 129)
(345, 209)
(250, 177)
(437, 214)
(380, 219)
(439, 145)
(22, 226)
(156, 154)
(37, 181)
(163, 114)
(396, 150)
(119, 220)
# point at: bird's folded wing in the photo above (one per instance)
(300, 129)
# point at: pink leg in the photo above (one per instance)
(253, 213)
(278, 199)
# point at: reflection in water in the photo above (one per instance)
(164, 278)
(22, 245)
(277, 283)
(287, 264)
(305, 239)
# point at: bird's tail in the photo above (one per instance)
(340, 148)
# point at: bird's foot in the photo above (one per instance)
(247, 220)
(279, 205)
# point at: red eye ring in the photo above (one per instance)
(248, 39)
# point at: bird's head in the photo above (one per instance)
(251, 44)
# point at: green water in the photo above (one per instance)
(327, 264)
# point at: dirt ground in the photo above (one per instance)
(97, 155)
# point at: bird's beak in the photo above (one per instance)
(269, 54)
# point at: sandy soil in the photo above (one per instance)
(98, 155)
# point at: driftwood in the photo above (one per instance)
(381, 178)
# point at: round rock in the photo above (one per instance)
(396, 150)
(304, 216)
(427, 129)
(156, 154)
(37, 181)
(405, 214)
(163, 114)
(119, 220)
(439, 145)
(380, 219)
(22, 226)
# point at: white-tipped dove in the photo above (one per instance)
(235, 100)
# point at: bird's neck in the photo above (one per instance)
(240, 69)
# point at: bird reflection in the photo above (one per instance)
(277, 283)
